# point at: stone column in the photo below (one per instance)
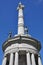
(39, 60)
(20, 19)
(16, 58)
(33, 59)
(28, 58)
(4, 61)
(11, 59)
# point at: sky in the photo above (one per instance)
(33, 19)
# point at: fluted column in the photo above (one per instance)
(16, 58)
(28, 58)
(33, 59)
(39, 61)
(4, 61)
(11, 59)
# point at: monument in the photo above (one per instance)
(22, 49)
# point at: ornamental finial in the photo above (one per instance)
(20, 6)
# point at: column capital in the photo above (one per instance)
(4, 55)
(16, 51)
(11, 53)
(27, 51)
(38, 55)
